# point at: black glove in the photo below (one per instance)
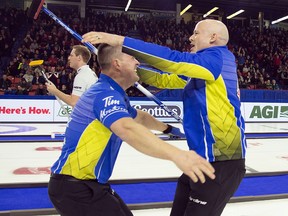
(174, 131)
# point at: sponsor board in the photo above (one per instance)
(26, 110)
(274, 112)
(36, 110)
(12, 110)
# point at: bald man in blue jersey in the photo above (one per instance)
(101, 120)
(213, 123)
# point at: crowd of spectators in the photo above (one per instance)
(11, 20)
(262, 57)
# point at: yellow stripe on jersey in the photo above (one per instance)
(170, 81)
(220, 111)
(179, 68)
(82, 162)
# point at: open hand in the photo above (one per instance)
(194, 165)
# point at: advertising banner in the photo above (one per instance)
(28, 110)
(265, 112)
(12, 110)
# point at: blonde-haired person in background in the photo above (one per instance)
(78, 60)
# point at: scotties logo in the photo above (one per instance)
(157, 111)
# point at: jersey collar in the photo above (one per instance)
(114, 84)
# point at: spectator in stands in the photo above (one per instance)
(245, 70)
(28, 76)
(254, 79)
(63, 78)
(268, 84)
(20, 90)
(41, 90)
(241, 79)
(38, 78)
(12, 69)
(213, 123)
(23, 66)
(45, 56)
(275, 85)
(53, 60)
(53, 76)
(241, 57)
(62, 61)
(284, 77)
(261, 83)
(277, 60)
(34, 46)
(65, 90)
(78, 60)
(27, 41)
(23, 86)
(5, 84)
(50, 37)
(6, 51)
(71, 76)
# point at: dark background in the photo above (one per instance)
(272, 9)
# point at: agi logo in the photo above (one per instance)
(268, 112)
(157, 111)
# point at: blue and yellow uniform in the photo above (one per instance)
(213, 123)
(90, 148)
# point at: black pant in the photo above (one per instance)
(73, 197)
(210, 198)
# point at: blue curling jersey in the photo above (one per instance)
(212, 122)
(90, 148)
